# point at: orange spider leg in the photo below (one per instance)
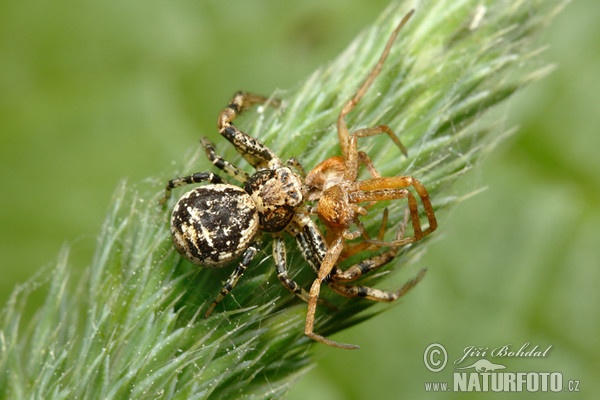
(355, 248)
(377, 130)
(357, 158)
(342, 128)
(371, 264)
(370, 188)
(356, 271)
(327, 265)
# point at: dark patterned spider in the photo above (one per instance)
(215, 224)
(334, 183)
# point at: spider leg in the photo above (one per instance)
(394, 194)
(198, 177)
(234, 277)
(365, 245)
(309, 238)
(256, 153)
(392, 188)
(377, 130)
(364, 159)
(354, 272)
(357, 270)
(294, 164)
(279, 255)
(342, 128)
(354, 158)
(315, 252)
(327, 266)
(376, 294)
(224, 165)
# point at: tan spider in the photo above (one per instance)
(334, 183)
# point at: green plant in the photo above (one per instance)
(132, 326)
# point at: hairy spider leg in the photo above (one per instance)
(295, 165)
(351, 249)
(253, 151)
(327, 265)
(365, 266)
(369, 264)
(342, 128)
(198, 177)
(280, 257)
(392, 188)
(310, 240)
(355, 158)
(235, 276)
(378, 130)
(376, 294)
(224, 165)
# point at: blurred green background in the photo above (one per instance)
(97, 91)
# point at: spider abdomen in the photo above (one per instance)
(213, 225)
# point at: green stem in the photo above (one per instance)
(132, 326)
